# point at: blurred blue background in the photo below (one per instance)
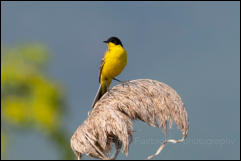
(192, 46)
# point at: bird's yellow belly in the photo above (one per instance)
(114, 65)
(113, 68)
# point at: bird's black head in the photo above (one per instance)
(114, 40)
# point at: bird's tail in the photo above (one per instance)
(98, 96)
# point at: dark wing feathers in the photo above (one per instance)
(101, 67)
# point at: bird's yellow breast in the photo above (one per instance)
(115, 61)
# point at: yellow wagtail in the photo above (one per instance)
(113, 62)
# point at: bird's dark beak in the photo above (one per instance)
(105, 41)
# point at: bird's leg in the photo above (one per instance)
(117, 80)
(122, 82)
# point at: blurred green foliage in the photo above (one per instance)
(30, 100)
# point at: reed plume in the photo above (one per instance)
(110, 121)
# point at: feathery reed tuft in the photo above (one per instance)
(110, 121)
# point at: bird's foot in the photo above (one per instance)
(126, 82)
(123, 83)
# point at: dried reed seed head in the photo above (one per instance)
(151, 101)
